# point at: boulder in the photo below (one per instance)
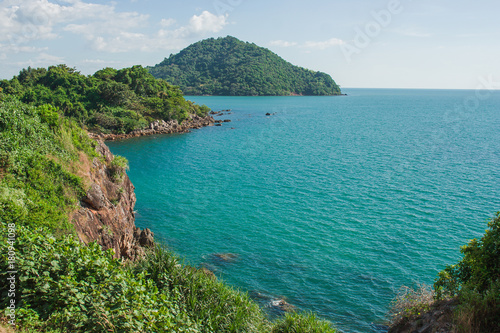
(95, 198)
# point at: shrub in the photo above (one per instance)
(475, 281)
(410, 303)
(480, 267)
(117, 168)
(301, 323)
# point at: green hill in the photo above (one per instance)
(230, 67)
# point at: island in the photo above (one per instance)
(230, 67)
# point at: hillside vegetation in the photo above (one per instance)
(110, 101)
(230, 67)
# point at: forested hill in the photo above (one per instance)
(110, 101)
(230, 67)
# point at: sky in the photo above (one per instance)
(431, 44)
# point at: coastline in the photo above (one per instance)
(161, 127)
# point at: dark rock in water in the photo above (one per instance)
(268, 114)
(218, 124)
(225, 257)
(282, 305)
(276, 305)
(145, 237)
(218, 121)
(227, 120)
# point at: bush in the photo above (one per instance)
(301, 323)
(117, 168)
(480, 267)
(411, 303)
(475, 281)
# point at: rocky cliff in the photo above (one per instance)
(106, 213)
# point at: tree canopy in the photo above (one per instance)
(110, 101)
(230, 67)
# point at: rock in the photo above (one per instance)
(282, 305)
(145, 237)
(225, 257)
(437, 319)
(163, 127)
(95, 197)
(268, 114)
(111, 225)
(227, 120)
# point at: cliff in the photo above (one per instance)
(106, 213)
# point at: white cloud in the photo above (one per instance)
(43, 59)
(102, 26)
(324, 44)
(167, 22)
(282, 43)
(207, 22)
(25, 20)
(198, 26)
(321, 45)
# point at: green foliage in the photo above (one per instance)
(117, 168)
(74, 288)
(480, 267)
(37, 148)
(110, 101)
(301, 323)
(230, 67)
(214, 306)
(475, 280)
(64, 286)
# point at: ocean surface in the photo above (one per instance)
(332, 203)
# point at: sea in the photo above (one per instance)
(332, 204)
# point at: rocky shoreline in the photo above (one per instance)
(161, 127)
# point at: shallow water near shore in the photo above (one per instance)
(333, 203)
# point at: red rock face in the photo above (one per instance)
(106, 214)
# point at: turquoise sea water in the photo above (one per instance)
(331, 202)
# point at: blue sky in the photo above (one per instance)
(360, 43)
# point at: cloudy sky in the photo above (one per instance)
(451, 44)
